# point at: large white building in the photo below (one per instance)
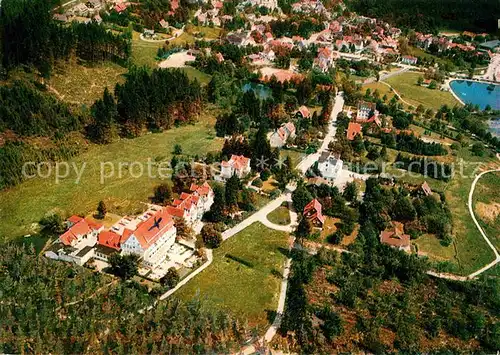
(329, 166)
(152, 238)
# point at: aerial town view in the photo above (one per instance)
(249, 176)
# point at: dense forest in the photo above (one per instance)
(31, 37)
(42, 312)
(157, 100)
(432, 15)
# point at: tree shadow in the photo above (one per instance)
(277, 274)
(284, 251)
(270, 315)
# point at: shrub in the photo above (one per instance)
(257, 182)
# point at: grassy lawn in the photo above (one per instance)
(429, 245)
(249, 287)
(382, 89)
(26, 203)
(184, 38)
(194, 73)
(208, 32)
(144, 53)
(293, 154)
(486, 201)
(83, 85)
(406, 85)
(281, 216)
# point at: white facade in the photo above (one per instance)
(330, 167)
(238, 165)
(156, 252)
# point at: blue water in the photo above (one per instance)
(261, 91)
(478, 94)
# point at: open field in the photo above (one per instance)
(281, 215)
(487, 205)
(183, 39)
(194, 73)
(80, 84)
(144, 53)
(382, 89)
(406, 85)
(244, 277)
(28, 202)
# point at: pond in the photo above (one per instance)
(481, 94)
(261, 91)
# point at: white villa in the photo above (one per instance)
(279, 138)
(329, 166)
(192, 206)
(238, 164)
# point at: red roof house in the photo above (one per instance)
(353, 130)
(395, 238)
(313, 213)
(79, 228)
(304, 112)
(109, 239)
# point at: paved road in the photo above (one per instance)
(257, 216)
(309, 160)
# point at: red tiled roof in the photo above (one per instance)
(202, 190)
(304, 111)
(353, 130)
(313, 211)
(81, 228)
(236, 161)
(324, 52)
(120, 7)
(109, 239)
(75, 219)
(175, 211)
(148, 232)
(390, 237)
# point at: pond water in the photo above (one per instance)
(481, 94)
(262, 91)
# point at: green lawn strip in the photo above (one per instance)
(295, 155)
(194, 73)
(406, 85)
(248, 292)
(281, 216)
(28, 202)
(487, 193)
